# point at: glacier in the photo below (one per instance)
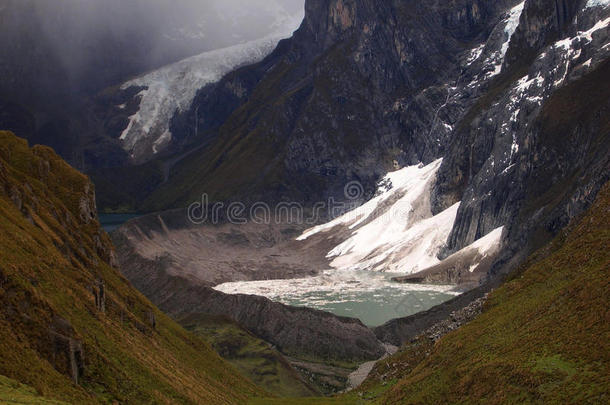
(396, 231)
(173, 88)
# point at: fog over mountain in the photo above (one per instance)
(96, 43)
(57, 56)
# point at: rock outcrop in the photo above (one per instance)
(362, 86)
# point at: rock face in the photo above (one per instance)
(517, 152)
(361, 85)
(356, 88)
(67, 352)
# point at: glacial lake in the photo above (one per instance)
(110, 222)
(369, 296)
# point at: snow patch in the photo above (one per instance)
(487, 246)
(572, 48)
(511, 26)
(512, 22)
(409, 178)
(489, 243)
(597, 3)
(475, 54)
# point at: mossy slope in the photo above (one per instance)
(54, 335)
(253, 357)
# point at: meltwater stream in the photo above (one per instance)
(369, 296)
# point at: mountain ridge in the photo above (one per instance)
(338, 102)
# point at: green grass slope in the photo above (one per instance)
(12, 392)
(54, 335)
(253, 357)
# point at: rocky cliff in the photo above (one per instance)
(362, 86)
(358, 86)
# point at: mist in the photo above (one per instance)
(86, 45)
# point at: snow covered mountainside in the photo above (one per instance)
(500, 101)
(396, 231)
(171, 89)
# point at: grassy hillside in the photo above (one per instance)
(253, 357)
(13, 392)
(544, 337)
(71, 327)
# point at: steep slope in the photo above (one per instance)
(170, 90)
(506, 153)
(330, 104)
(543, 337)
(357, 90)
(14, 392)
(253, 357)
(70, 325)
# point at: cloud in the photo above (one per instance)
(98, 42)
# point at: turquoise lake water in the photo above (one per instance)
(369, 296)
(110, 222)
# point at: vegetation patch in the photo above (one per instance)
(253, 357)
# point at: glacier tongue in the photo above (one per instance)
(396, 232)
(173, 88)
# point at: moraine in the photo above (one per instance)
(395, 234)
